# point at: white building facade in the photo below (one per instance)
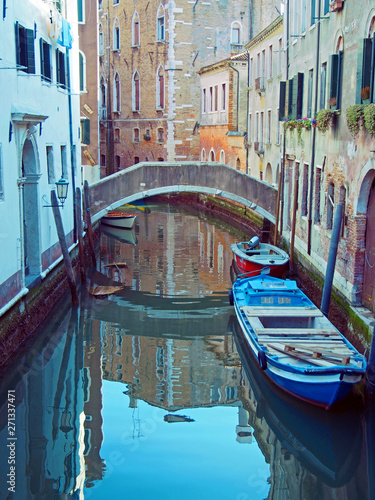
(39, 138)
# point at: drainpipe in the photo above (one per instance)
(312, 166)
(247, 111)
(72, 159)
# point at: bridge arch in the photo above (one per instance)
(153, 178)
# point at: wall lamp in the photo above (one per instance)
(61, 192)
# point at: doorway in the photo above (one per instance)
(369, 272)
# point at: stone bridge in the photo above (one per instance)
(149, 179)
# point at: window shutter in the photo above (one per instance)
(282, 101)
(299, 96)
(18, 51)
(363, 67)
(293, 95)
(334, 64)
(86, 131)
(30, 51)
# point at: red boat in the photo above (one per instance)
(252, 256)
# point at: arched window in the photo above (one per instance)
(268, 177)
(160, 88)
(82, 72)
(103, 114)
(238, 164)
(101, 40)
(330, 205)
(136, 92)
(203, 155)
(236, 33)
(116, 93)
(135, 30)
(222, 156)
(160, 23)
(116, 35)
(212, 155)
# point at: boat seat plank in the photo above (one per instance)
(252, 311)
(302, 356)
(297, 331)
(318, 352)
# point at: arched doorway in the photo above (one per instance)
(31, 229)
(368, 298)
(268, 177)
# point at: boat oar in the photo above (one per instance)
(265, 270)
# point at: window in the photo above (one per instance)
(102, 94)
(251, 72)
(303, 16)
(270, 61)
(117, 135)
(64, 162)
(330, 205)
(256, 137)
(238, 164)
(116, 2)
(211, 98)
(60, 68)
(81, 10)
(216, 97)
(305, 189)
(263, 68)
(335, 86)
(343, 201)
(136, 159)
(269, 126)
(203, 155)
(204, 98)
(323, 83)
(135, 134)
(160, 89)
(295, 97)
(101, 41)
(313, 12)
(160, 24)
(85, 130)
(261, 125)
(116, 36)
(326, 7)
(136, 92)
(366, 67)
(82, 72)
(279, 54)
(25, 52)
(100, 5)
(318, 177)
(50, 165)
(249, 136)
(45, 60)
(116, 94)
(223, 96)
(277, 126)
(160, 135)
(236, 34)
(310, 85)
(212, 155)
(117, 163)
(135, 30)
(222, 156)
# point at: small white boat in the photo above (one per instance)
(119, 219)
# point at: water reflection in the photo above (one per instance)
(147, 393)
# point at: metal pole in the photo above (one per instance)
(332, 259)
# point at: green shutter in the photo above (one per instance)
(18, 51)
(282, 96)
(333, 91)
(363, 67)
(86, 131)
(30, 51)
(293, 96)
(80, 11)
(299, 95)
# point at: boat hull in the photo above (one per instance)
(266, 256)
(319, 385)
(119, 219)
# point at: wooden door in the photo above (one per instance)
(369, 276)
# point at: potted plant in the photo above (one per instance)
(354, 118)
(324, 119)
(369, 118)
(365, 95)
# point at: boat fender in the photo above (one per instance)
(230, 297)
(262, 358)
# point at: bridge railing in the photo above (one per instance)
(148, 179)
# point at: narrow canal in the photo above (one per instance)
(145, 394)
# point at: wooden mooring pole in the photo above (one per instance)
(64, 248)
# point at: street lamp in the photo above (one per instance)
(62, 190)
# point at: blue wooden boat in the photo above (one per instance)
(293, 342)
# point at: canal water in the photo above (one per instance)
(147, 394)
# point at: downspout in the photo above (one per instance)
(284, 142)
(247, 112)
(312, 166)
(72, 159)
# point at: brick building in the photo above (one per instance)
(330, 60)
(150, 54)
